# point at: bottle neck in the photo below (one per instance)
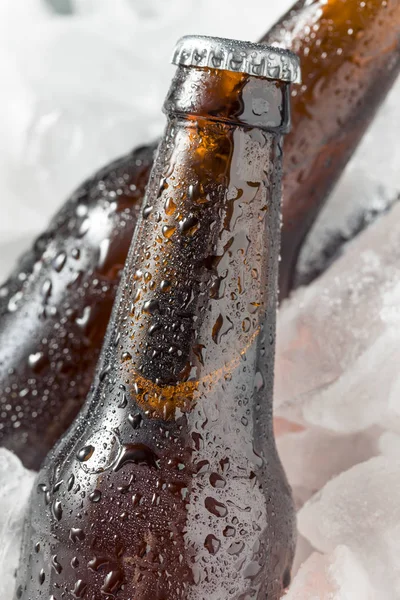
(200, 284)
(230, 97)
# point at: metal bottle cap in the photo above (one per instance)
(258, 60)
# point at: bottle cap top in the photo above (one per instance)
(259, 60)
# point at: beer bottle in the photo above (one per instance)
(46, 365)
(55, 307)
(168, 485)
(350, 56)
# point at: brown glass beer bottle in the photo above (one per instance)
(47, 361)
(350, 56)
(169, 486)
(55, 307)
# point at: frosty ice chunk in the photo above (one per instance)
(339, 339)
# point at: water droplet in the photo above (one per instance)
(37, 361)
(80, 588)
(136, 499)
(135, 420)
(103, 251)
(81, 210)
(139, 454)
(46, 290)
(252, 570)
(214, 507)
(104, 372)
(76, 535)
(56, 509)
(57, 486)
(85, 453)
(147, 211)
(42, 577)
(225, 464)
(112, 582)
(217, 327)
(123, 403)
(229, 531)
(212, 544)
(221, 327)
(246, 325)
(258, 381)
(84, 228)
(217, 481)
(162, 186)
(97, 562)
(151, 306)
(83, 320)
(170, 207)
(55, 564)
(70, 482)
(189, 226)
(202, 467)
(168, 231)
(105, 451)
(59, 262)
(236, 548)
(14, 302)
(165, 285)
(95, 496)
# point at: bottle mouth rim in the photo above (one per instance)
(257, 59)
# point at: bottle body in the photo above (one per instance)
(170, 480)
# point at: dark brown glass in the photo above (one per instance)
(55, 307)
(168, 486)
(350, 57)
(346, 77)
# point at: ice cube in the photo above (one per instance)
(360, 509)
(335, 576)
(282, 426)
(389, 444)
(303, 551)
(338, 340)
(15, 486)
(313, 456)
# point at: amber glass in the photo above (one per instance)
(168, 485)
(350, 57)
(55, 307)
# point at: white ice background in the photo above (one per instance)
(77, 91)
